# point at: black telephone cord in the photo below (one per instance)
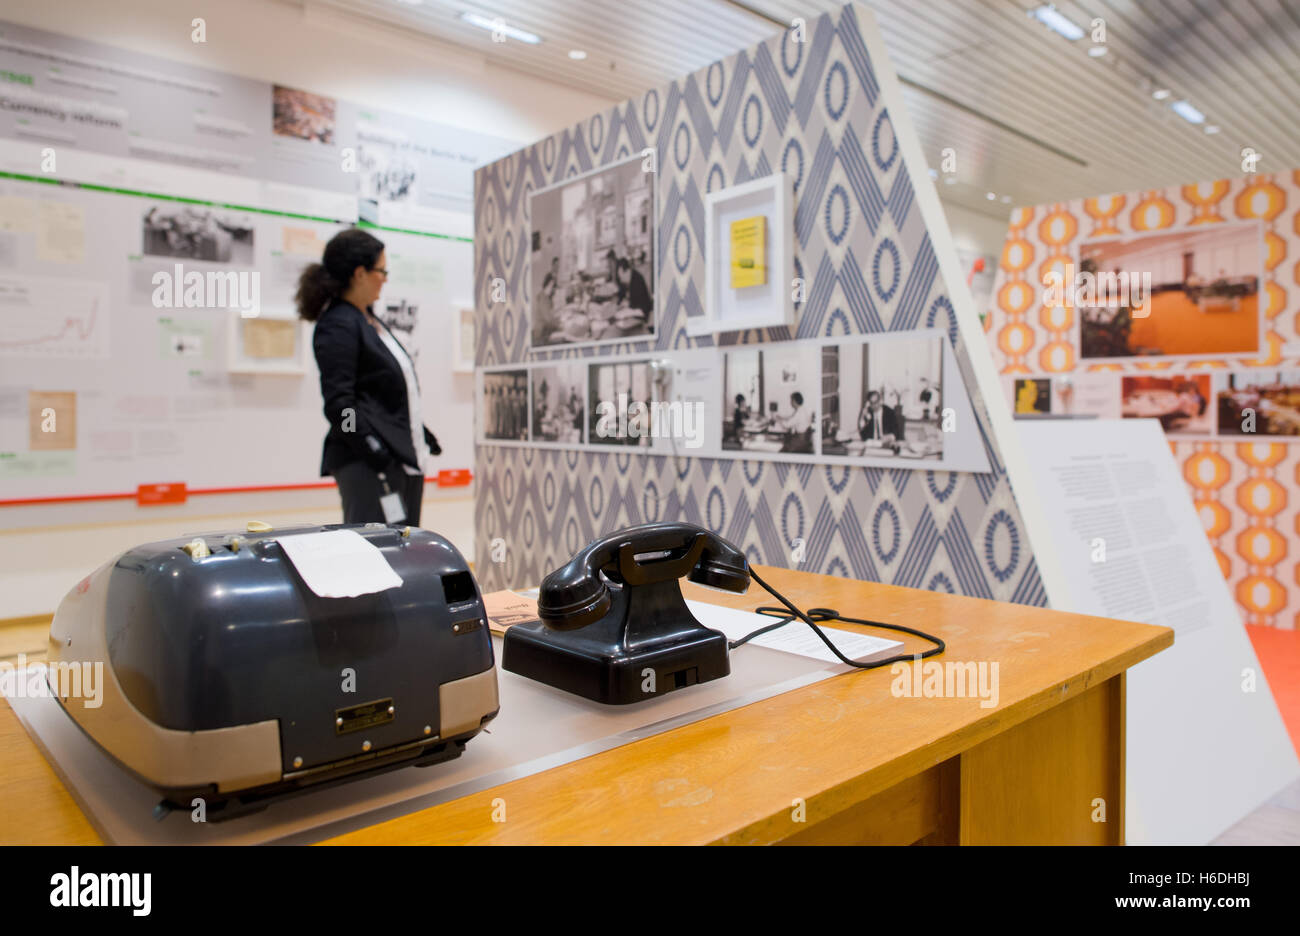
(790, 613)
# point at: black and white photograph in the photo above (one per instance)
(559, 411)
(401, 317)
(193, 232)
(883, 399)
(593, 263)
(387, 174)
(505, 405)
(621, 399)
(770, 399)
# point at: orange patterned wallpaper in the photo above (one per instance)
(1247, 494)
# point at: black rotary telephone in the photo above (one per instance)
(615, 628)
(614, 625)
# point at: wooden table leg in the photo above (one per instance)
(1055, 779)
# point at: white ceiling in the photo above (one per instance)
(1030, 114)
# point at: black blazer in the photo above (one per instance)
(889, 424)
(359, 374)
(636, 294)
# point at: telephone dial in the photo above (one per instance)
(614, 626)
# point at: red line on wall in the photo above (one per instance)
(131, 495)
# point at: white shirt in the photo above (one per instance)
(800, 420)
(412, 399)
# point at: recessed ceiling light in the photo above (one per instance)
(990, 196)
(1185, 110)
(934, 173)
(411, 2)
(1097, 51)
(500, 26)
(1212, 128)
(1050, 17)
(950, 180)
(1160, 93)
(577, 55)
(1006, 199)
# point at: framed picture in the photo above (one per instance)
(463, 348)
(503, 405)
(265, 344)
(1033, 396)
(883, 398)
(621, 394)
(1190, 293)
(1259, 403)
(559, 400)
(749, 257)
(1180, 401)
(771, 396)
(592, 278)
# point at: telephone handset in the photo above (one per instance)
(614, 625)
(577, 593)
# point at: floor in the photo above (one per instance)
(1277, 822)
(1177, 325)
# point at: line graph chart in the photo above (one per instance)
(47, 317)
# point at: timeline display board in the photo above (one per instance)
(147, 327)
(73, 94)
(125, 356)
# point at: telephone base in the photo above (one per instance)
(647, 645)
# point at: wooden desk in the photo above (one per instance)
(852, 761)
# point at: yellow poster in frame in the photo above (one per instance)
(749, 252)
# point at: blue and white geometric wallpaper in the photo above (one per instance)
(815, 111)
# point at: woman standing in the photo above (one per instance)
(377, 440)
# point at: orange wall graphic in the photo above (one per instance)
(1246, 492)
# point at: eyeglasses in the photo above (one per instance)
(379, 270)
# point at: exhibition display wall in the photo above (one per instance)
(147, 329)
(1185, 308)
(819, 106)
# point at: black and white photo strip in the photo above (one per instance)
(878, 401)
(559, 408)
(504, 412)
(592, 277)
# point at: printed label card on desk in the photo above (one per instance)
(339, 563)
(796, 637)
(506, 609)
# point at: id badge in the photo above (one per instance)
(394, 510)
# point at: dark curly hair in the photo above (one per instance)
(322, 283)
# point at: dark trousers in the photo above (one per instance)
(360, 488)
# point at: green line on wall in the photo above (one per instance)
(380, 227)
(133, 193)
